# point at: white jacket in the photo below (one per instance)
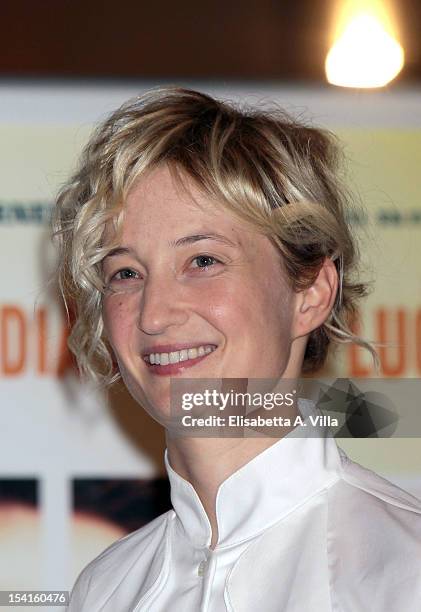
(302, 528)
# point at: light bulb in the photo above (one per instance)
(364, 55)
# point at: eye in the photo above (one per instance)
(124, 274)
(205, 261)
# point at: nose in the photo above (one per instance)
(161, 306)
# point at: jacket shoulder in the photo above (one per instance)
(138, 552)
(366, 480)
(374, 535)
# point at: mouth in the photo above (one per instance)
(176, 361)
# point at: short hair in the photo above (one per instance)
(260, 164)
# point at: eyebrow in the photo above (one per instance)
(179, 242)
(119, 251)
(208, 236)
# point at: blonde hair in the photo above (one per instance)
(264, 166)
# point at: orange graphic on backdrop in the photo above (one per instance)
(27, 341)
(13, 352)
(400, 334)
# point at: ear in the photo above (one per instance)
(314, 304)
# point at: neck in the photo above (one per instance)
(207, 462)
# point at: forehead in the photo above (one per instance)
(159, 205)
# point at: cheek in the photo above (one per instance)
(266, 316)
(116, 315)
(220, 304)
(260, 309)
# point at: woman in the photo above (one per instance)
(202, 241)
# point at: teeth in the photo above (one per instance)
(177, 356)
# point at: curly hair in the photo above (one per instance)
(262, 165)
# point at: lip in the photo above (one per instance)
(178, 346)
(172, 369)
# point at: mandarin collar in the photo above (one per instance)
(260, 493)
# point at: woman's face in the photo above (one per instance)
(188, 276)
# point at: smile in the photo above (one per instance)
(175, 362)
(164, 359)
